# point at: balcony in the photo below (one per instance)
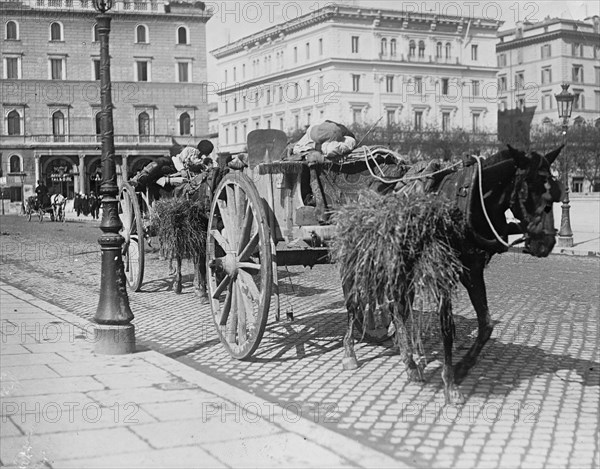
(88, 139)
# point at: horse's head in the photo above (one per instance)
(534, 193)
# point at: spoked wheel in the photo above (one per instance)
(29, 213)
(379, 326)
(133, 232)
(239, 265)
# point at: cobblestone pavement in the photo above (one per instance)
(532, 400)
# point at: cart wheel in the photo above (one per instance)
(133, 232)
(239, 265)
(29, 212)
(381, 329)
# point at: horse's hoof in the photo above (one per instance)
(416, 375)
(177, 288)
(349, 363)
(454, 397)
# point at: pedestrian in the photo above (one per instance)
(42, 194)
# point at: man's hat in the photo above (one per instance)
(205, 147)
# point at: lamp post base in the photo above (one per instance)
(565, 241)
(114, 340)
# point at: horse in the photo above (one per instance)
(509, 179)
(57, 201)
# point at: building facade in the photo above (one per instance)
(536, 58)
(50, 107)
(356, 65)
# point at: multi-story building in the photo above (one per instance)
(536, 58)
(50, 127)
(352, 64)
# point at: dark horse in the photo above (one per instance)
(511, 180)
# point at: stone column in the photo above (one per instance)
(37, 169)
(125, 167)
(81, 172)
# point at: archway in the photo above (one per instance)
(58, 174)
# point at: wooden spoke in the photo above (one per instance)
(247, 282)
(249, 266)
(233, 217)
(246, 229)
(225, 215)
(222, 286)
(226, 307)
(241, 310)
(219, 238)
(250, 247)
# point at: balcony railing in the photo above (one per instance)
(85, 139)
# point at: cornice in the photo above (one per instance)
(579, 36)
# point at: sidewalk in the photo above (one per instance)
(65, 406)
(584, 244)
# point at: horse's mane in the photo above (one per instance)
(499, 157)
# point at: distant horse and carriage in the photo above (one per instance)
(54, 205)
(258, 218)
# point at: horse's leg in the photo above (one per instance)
(451, 392)
(349, 361)
(413, 370)
(177, 279)
(200, 280)
(474, 283)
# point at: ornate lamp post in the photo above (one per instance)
(114, 332)
(564, 100)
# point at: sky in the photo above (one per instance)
(233, 20)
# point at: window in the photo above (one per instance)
(295, 55)
(296, 121)
(475, 87)
(418, 85)
(321, 46)
(519, 80)
(448, 50)
(144, 126)
(226, 135)
(597, 97)
(234, 74)
(502, 60)
(14, 122)
(226, 106)
(445, 121)
(142, 70)
(357, 116)
(183, 72)
(95, 36)
(281, 123)
(182, 35)
(96, 69)
(14, 164)
(502, 83)
(98, 122)
(185, 124)
(308, 87)
(141, 34)
(438, 50)
(393, 48)
(577, 184)
(355, 83)
(12, 31)
(475, 120)
(579, 101)
(546, 75)
(243, 71)
(57, 69)
(577, 73)
(474, 51)
(577, 50)
(445, 83)
(384, 46)
(418, 120)
(389, 83)
(307, 49)
(12, 67)
(391, 117)
(244, 132)
(58, 126)
(354, 44)
(546, 51)
(235, 106)
(411, 48)
(421, 49)
(280, 93)
(269, 95)
(520, 56)
(597, 75)
(56, 32)
(597, 52)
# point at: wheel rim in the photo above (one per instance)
(132, 232)
(239, 265)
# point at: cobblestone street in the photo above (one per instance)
(532, 399)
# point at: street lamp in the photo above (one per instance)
(564, 100)
(114, 333)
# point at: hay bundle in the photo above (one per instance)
(388, 246)
(181, 226)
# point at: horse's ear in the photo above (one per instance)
(550, 157)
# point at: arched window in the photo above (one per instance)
(182, 35)
(184, 124)
(411, 48)
(95, 36)
(393, 48)
(141, 34)
(12, 30)
(144, 124)
(448, 50)
(438, 50)
(384, 46)
(56, 32)
(421, 48)
(98, 121)
(14, 164)
(58, 126)
(14, 123)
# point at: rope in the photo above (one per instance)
(504, 243)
